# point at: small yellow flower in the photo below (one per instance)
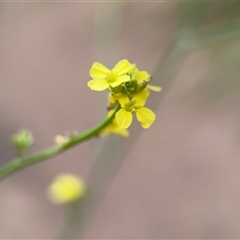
(104, 78)
(130, 88)
(66, 188)
(144, 115)
(114, 128)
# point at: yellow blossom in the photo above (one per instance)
(129, 87)
(144, 115)
(66, 188)
(104, 78)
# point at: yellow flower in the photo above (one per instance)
(114, 128)
(66, 188)
(130, 88)
(104, 78)
(144, 115)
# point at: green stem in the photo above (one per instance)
(19, 163)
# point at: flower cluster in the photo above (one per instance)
(127, 86)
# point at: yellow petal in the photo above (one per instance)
(146, 117)
(154, 88)
(111, 100)
(143, 75)
(124, 118)
(98, 70)
(98, 84)
(113, 128)
(119, 80)
(122, 98)
(122, 67)
(104, 133)
(134, 70)
(141, 97)
(121, 132)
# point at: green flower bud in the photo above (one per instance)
(142, 84)
(22, 140)
(131, 86)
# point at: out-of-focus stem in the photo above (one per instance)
(19, 163)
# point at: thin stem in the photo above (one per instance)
(19, 163)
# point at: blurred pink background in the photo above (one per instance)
(180, 178)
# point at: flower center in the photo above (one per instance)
(111, 77)
(131, 106)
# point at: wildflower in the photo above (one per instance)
(114, 128)
(144, 115)
(104, 78)
(129, 87)
(66, 188)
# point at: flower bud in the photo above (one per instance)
(22, 140)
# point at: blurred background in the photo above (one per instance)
(180, 178)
